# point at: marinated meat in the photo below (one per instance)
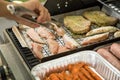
(53, 46)
(117, 34)
(77, 24)
(37, 50)
(109, 57)
(115, 49)
(95, 38)
(102, 30)
(34, 36)
(100, 18)
(70, 43)
(45, 33)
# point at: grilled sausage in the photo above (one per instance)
(115, 49)
(95, 38)
(109, 57)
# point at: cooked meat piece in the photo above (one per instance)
(37, 50)
(77, 24)
(100, 18)
(62, 49)
(102, 30)
(95, 38)
(45, 33)
(70, 43)
(34, 36)
(117, 34)
(109, 57)
(115, 49)
(59, 30)
(53, 46)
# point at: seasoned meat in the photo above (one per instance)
(77, 24)
(100, 18)
(117, 34)
(102, 30)
(95, 38)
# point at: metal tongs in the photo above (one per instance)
(21, 11)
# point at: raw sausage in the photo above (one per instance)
(115, 49)
(108, 56)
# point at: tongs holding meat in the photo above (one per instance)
(23, 12)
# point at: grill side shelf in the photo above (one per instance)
(25, 52)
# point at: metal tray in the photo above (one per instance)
(102, 67)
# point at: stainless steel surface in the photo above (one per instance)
(102, 67)
(14, 60)
(14, 63)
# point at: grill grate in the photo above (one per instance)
(26, 53)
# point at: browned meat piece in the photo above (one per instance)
(53, 46)
(100, 18)
(115, 49)
(34, 36)
(77, 24)
(37, 50)
(102, 29)
(95, 38)
(109, 57)
(117, 34)
(62, 49)
(45, 33)
(96, 77)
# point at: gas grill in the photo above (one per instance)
(57, 9)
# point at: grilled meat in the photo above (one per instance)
(77, 24)
(45, 33)
(100, 18)
(37, 50)
(59, 30)
(117, 34)
(62, 49)
(53, 46)
(102, 30)
(70, 43)
(34, 36)
(95, 38)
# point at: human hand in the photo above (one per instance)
(34, 5)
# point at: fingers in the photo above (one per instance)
(44, 15)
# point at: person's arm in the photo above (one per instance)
(34, 5)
